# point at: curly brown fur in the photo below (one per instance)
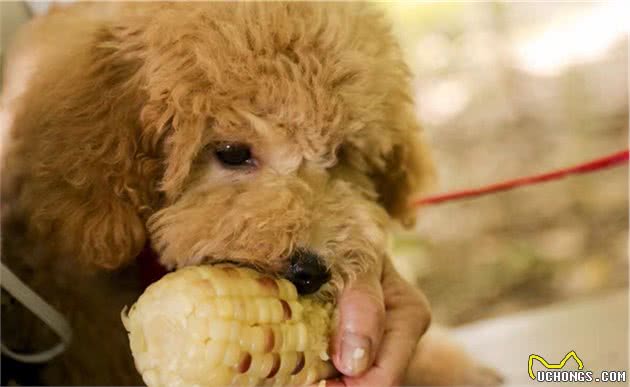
(112, 137)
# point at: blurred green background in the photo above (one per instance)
(505, 90)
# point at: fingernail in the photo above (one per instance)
(355, 353)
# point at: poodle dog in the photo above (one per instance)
(273, 135)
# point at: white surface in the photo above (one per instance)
(596, 329)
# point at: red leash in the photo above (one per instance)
(612, 160)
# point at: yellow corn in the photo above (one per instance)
(226, 326)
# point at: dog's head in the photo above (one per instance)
(280, 136)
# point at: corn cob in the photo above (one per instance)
(226, 326)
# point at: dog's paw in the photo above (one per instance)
(480, 375)
(439, 361)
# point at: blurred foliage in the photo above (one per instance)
(506, 90)
(417, 20)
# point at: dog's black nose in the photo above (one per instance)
(307, 272)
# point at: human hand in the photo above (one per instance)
(382, 317)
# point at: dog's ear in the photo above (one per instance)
(180, 136)
(407, 169)
(85, 177)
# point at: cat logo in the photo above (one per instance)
(549, 366)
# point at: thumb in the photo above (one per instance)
(361, 325)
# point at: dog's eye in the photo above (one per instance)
(234, 155)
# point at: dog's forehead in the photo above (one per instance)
(298, 116)
(301, 66)
(282, 145)
(309, 75)
(281, 102)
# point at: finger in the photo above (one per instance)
(408, 317)
(361, 325)
(402, 298)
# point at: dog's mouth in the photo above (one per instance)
(151, 270)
